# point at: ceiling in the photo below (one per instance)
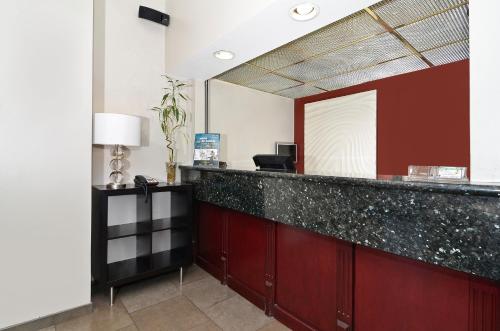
(389, 38)
(197, 31)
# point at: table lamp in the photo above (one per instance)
(117, 130)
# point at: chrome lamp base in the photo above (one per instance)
(116, 165)
(115, 186)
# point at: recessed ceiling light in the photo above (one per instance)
(224, 55)
(304, 12)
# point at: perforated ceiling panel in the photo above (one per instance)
(334, 36)
(342, 33)
(309, 70)
(438, 30)
(242, 74)
(382, 48)
(272, 83)
(279, 58)
(447, 54)
(390, 38)
(383, 70)
(300, 91)
(404, 12)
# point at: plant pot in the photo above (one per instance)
(171, 171)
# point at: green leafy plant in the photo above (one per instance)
(171, 113)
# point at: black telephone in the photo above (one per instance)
(140, 180)
(145, 182)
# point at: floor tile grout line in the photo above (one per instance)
(181, 295)
(216, 303)
(178, 294)
(130, 316)
(152, 305)
(175, 296)
(271, 318)
(171, 283)
(204, 313)
(163, 301)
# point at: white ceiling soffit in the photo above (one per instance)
(389, 38)
(271, 27)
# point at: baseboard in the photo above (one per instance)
(210, 268)
(290, 321)
(257, 299)
(45, 322)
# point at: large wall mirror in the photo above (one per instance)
(368, 95)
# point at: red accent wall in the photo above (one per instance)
(422, 118)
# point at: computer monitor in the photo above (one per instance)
(287, 149)
(274, 162)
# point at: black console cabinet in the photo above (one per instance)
(147, 261)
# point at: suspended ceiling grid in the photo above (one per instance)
(389, 38)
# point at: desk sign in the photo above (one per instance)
(206, 149)
(435, 173)
(451, 173)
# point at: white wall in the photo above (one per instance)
(198, 105)
(45, 128)
(196, 24)
(485, 82)
(129, 61)
(250, 122)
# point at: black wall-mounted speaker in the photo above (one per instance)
(154, 15)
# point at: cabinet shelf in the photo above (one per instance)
(170, 223)
(125, 269)
(142, 228)
(173, 258)
(128, 230)
(149, 264)
(155, 252)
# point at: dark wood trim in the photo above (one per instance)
(225, 245)
(344, 277)
(210, 268)
(195, 213)
(253, 296)
(213, 263)
(484, 310)
(269, 278)
(290, 320)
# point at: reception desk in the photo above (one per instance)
(321, 252)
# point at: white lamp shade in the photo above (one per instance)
(117, 129)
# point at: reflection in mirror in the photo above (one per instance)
(250, 122)
(315, 92)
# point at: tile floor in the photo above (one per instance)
(158, 304)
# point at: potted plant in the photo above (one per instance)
(172, 117)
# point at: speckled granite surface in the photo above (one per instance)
(451, 225)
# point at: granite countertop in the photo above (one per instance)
(448, 224)
(486, 189)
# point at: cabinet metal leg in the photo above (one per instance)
(180, 279)
(111, 295)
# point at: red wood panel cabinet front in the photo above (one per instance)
(397, 294)
(306, 277)
(247, 254)
(210, 222)
(484, 313)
